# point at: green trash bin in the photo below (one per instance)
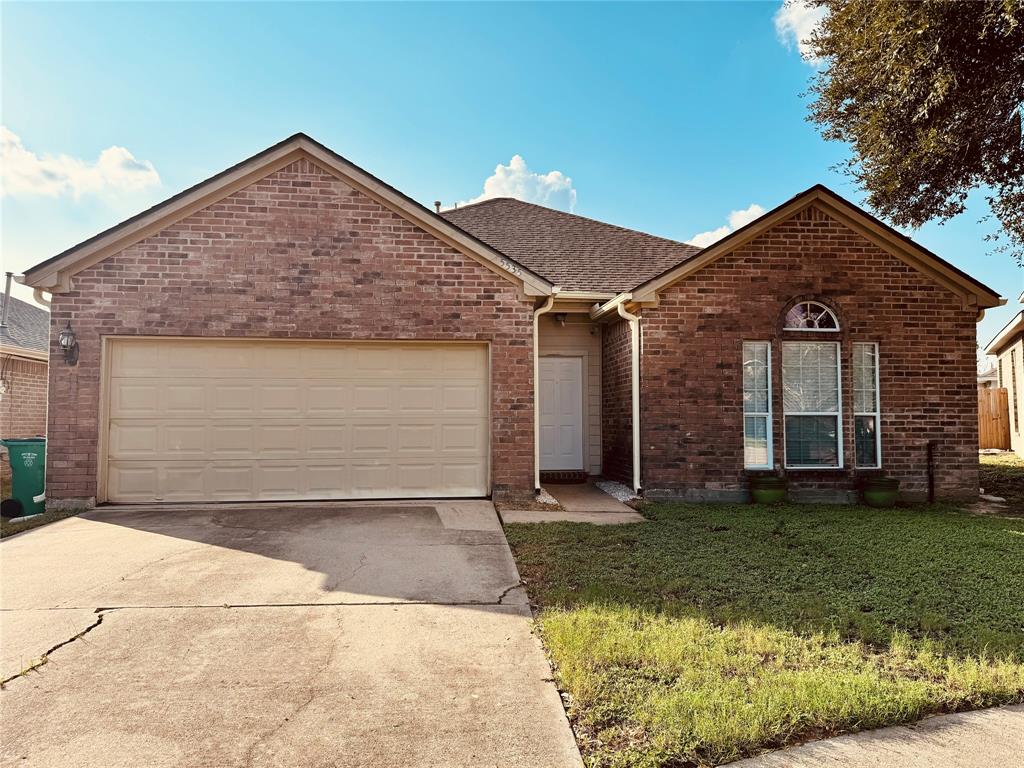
(28, 473)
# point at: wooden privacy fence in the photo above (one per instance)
(993, 418)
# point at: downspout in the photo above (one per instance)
(543, 309)
(7, 300)
(634, 332)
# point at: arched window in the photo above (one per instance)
(811, 316)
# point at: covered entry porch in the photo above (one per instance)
(586, 376)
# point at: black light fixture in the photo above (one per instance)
(69, 344)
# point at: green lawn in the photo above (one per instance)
(1002, 474)
(713, 632)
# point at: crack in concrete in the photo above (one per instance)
(503, 595)
(343, 579)
(250, 753)
(45, 658)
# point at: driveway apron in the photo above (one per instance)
(332, 635)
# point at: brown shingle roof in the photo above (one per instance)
(571, 251)
(28, 326)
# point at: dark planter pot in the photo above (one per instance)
(768, 490)
(881, 491)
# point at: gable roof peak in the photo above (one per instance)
(55, 274)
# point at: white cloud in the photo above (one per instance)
(23, 173)
(553, 189)
(736, 220)
(794, 22)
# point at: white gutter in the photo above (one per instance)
(600, 310)
(543, 309)
(634, 331)
(37, 294)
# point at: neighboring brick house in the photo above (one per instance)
(1008, 348)
(24, 332)
(296, 328)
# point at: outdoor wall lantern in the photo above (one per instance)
(69, 344)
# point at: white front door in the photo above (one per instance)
(561, 413)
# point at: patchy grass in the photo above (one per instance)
(20, 524)
(1002, 474)
(713, 632)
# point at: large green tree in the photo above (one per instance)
(929, 96)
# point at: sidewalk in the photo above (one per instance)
(987, 738)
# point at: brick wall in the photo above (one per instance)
(692, 374)
(23, 406)
(616, 403)
(298, 254)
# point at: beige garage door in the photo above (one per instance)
(198, 420)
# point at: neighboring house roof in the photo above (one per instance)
(988, 376)
(55, 274)
(972, 292)
(28, 327)
(573, 252)
(1007, 335)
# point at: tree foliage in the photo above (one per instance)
(929, 95)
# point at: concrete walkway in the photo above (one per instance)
(332, 635)
(988, 738)
(581, 503)
(585, 497)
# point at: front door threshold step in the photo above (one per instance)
(563, 476)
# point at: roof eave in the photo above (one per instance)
(1015, 326)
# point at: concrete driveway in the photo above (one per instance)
(335, 635)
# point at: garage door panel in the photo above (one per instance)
(462, 478)
(231, 482)
(182, 481)
(134, 482)
(140, 439)
(130, 398)
(371, 398)
(327, 439)
(466, 439)
(418, 399)
(281, 399)
(373, 362)
(372, 439)
(411, 439)
(191, 420)
(231, 440)
(464, 398)
(328, 398)
(459, 360)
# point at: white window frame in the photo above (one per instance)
(812, 330)
(877, 413)
(837, 414)
(767, 415)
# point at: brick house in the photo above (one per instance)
(1008, 348)
(296, 328)
(24, 333)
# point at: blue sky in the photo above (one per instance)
(661, 117)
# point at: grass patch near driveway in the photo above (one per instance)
(21, 524)
(1002, 474)
(712, 632)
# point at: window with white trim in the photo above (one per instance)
(867, 417)
(757, 405)
(811, 405)
(811, 316)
